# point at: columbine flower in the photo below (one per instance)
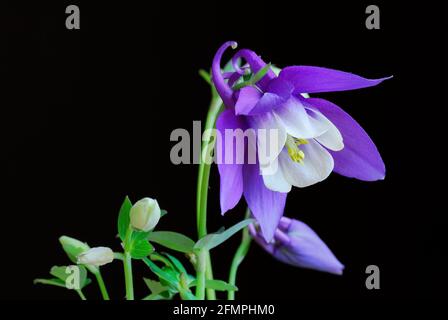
(145, 214)
(297, 244)
(315, 137)
(97, 256)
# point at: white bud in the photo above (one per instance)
(97, 256)
(145, 214)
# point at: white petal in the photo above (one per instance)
(332, 138)
(316, 166)
(273, 177)
(293, 116)
(271, 137)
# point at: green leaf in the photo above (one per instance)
(52, 282)
(140, 235)
(276, 70)
(172, 240)
(140, 249)
(59, 272)
(163, 213)
(165, 295)
(155, 286)
(158, 257)
(173, 287)
(167, 276)
(218, 285)
(63, 272)
(215, 239)
(206, 76)
(260, 74)
(73, 247)
(177, 264)
(123, 218)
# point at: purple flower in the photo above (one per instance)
(314, 136)
(297, 244)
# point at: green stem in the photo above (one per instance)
(102, 285)
(81, 295)
(128, 276)
(202, 194)
(239, 256)
(200, 274)
(211, 295)
(127, 263)
(119, 256)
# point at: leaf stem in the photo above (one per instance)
(239, 256)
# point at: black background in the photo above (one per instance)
(87, 115)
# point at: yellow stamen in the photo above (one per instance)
(301, 141)
(292, 144)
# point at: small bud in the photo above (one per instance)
(97, 256)
(73, 247)
(297, 244)
(145, 214)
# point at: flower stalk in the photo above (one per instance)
(202, 195)
(201, 274)
(102, 285)
(127, 264)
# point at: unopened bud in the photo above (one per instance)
(97, 256)
(145, 214)
(73, 247)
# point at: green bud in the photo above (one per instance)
(73, 247)
(145, 214)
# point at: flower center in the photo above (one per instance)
(292, 144)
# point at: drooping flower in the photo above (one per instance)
(295, 243)
(314, 136)
(97, 256)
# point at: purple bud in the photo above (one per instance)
(297, 244)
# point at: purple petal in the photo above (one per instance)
(248, 97)
(307, 250)
(224, 90)
(360, 158)
(307, 79)
(277, 93)
(231, 174)
(266, 205)
(256, 64)
(269, 247)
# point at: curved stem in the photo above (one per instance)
(102, 285)
(202, 195)
(239, 256)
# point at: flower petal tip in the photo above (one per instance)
(339, 272)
